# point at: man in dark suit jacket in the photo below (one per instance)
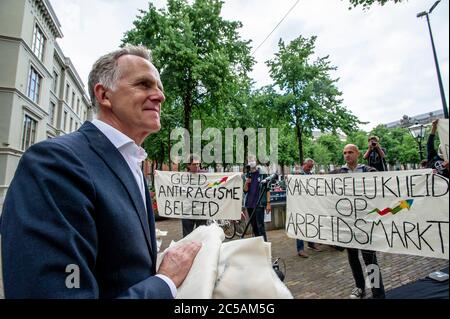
(77, 220)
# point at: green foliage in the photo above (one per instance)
(334, 146)
(200, 55)
(203, 63)
(320, 154)
(204, 66)
(359, 138)
(310, 98)
(287, 152)
(368, 3)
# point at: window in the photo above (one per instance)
(38, 44)
(51, 113)
(76, 126)
(29, 132)
(71, 124)
(34, 84)
(84, 115)
(67, 92)
(55, 82)
(73, 100)
(65, 121)
(78, 107)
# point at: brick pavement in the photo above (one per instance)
(324, 274)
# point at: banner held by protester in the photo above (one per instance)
(199, 196)
(402, 212)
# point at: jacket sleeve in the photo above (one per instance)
(150, 288)
(49, 238)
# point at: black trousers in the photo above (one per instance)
(370, 258)
(257, 221)
(190, 224)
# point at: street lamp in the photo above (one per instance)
(441, 87)
(418, 132)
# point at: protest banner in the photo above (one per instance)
(442, 129)
(199, 195)
(403, 212)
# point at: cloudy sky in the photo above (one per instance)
(383, 55)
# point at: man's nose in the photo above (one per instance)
(158, 95)
(161, 96)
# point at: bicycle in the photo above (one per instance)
(228, 227)
(240, 224)
(231, 228)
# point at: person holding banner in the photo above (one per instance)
(307, 166)
(436, 159)
(189, 225)
(252, 188)
(351, 155)
(77, 219)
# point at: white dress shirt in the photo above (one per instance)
(133, 155)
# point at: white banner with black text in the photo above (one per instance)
(199, 195)
(405, 212)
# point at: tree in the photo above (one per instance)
(320, 154)
(310, 98)
(333, 144)
(287, 153)
(199, 54)
(368, 3)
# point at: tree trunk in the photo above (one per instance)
(300, 142)
(161, 158)
(245, 148)
(170, 159)
(187, 103)
(152, 174)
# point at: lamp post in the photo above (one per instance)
(418, 132)
(441, 87)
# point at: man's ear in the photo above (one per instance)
(102, 94)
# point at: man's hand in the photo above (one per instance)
(178, 261)
(268, 207)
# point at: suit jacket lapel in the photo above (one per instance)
(151, 221)
(112, 157)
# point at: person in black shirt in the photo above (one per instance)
(375, 154)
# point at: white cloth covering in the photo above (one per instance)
(239, 269)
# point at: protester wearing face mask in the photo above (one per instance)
(252, 190)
